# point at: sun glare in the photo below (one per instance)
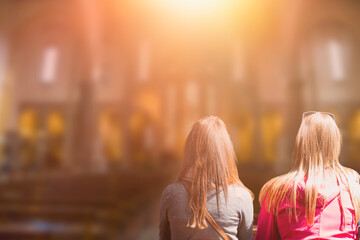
(195, 7)
(199, 5)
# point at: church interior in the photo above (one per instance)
(97, 98)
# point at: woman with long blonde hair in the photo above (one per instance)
(318, 198)
(209, 201)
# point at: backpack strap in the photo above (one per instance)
(208, 216)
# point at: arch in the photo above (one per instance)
(354, 136)
(28, 133)
(272, 125)
(245, 136)
(327, 52)
(148, 101)
(55, 129)
(143, 136)
(110, 136)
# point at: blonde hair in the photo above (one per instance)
(317, 149)
(211, 163)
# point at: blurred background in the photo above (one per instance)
(97, 97)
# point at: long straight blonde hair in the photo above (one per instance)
(317, 150)
(210, 161)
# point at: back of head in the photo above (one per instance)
(209, 152)
(318, 144)
(317, 151)
(210, 161)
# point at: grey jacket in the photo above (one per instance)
(235, 216)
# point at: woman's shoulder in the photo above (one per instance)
(352, 174)
(284, 183)
(174, 189)
(279, 181)
(239, 193)
(239, 200)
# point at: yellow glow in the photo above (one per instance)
(246, 136)
(55, 124)
(110, 133)
(272, 125)
(28, 124)
(198, 5)
(196, 8)
(149, 102)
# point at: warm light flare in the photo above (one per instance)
(196, 8)
(196, 5)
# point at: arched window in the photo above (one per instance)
(28, 131)
(144, 61)
(211, 98)
(238, 63)
(170, 116)
(331, 56)
(245, 136)
(354, 136)
(55, 128)
(110, 137)
(192, 93)
(49, 64)
(272, 126)
(191, 106)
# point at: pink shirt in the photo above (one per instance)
(327, 221)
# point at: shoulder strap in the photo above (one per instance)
(208, 216)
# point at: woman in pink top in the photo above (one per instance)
(318, 198)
